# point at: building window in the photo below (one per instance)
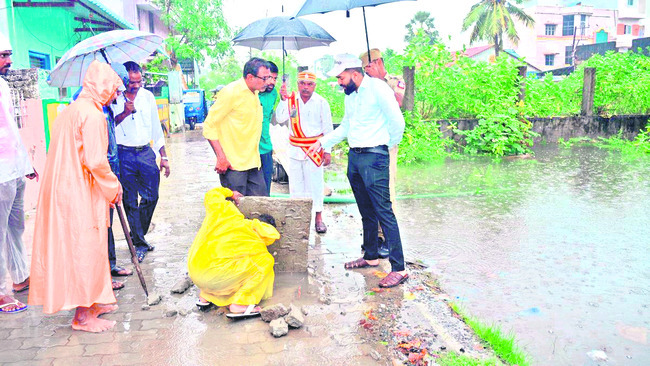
(583, 24)
(630, 2)
(567, 25)
(39, 60)
(550, 29)
(151, 27)
(568, 56)
(628, 29)
(549, 60)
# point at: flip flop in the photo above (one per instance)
(118, 271)
(22, 289)
(117, 285)
(141, 254)
(320, 227)
(249, 313)
(17, 310)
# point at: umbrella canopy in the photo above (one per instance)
(113, 46)
(285, 33)
(326, 6)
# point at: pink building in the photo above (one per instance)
(143, 14)
(561, 25)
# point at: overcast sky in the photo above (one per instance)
(386, 23)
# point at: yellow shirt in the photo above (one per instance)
(235, 119)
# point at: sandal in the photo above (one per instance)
(359, 263)
(248, 313)
(321, 228)
(118, 271)
(25, 286)
(393, 279)
(141, 253)
(117, 285)
(16, 310)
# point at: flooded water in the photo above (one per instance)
(555, 248)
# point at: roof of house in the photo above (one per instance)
(107, 13)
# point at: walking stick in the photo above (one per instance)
(134, 256)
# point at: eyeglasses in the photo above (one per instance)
(266, 78)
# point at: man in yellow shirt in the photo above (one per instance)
(234, 126)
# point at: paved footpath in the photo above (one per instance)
(348, 321)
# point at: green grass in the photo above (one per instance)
(503, 345)
(454, 359)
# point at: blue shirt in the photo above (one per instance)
(372, 117)
(113, 161)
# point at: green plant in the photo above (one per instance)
(499, 134)
(454, 359)
(422, 142)
(503, 345)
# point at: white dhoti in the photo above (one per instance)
(306, 181)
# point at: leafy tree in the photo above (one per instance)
(422, 22)
(492, 19)
(197, 28)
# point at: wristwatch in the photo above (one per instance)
(164, 158)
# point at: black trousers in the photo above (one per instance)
(140, 178)
(248, 182)
(368, 175)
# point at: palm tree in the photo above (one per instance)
(492, 18)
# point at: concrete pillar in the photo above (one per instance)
(293, 219)
(409, 93)
(588, 88)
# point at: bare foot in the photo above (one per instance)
(85, 320)
(99, 309)
(18, 287)
(238, 309)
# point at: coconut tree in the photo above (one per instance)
(493, 19)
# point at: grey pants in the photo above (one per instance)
(12, 226)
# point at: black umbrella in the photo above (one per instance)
(285, 33)
(326, 6)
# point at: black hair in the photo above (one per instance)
(273, 68)
(268, 219)
(253, 66)
(132, 67)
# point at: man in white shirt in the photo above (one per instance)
(137, 123)
(14, 167)
(372, 123)
(315, 118)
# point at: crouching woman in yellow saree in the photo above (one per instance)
(229, 261)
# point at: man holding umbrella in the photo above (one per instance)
(372, 123)
(233, 128)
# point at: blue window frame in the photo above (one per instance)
(39, 60)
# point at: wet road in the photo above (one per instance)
(557, 249)
(337, 301)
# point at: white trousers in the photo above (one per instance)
(306, 181)
(12, 226)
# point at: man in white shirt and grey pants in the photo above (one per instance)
(15, 165)
(137, 123)
(372, 124)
